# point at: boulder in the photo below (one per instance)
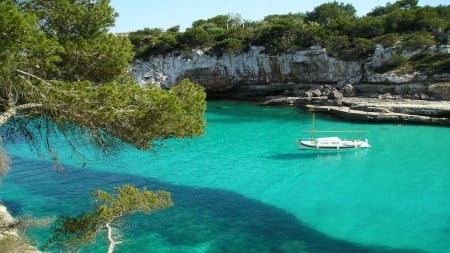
(348, 89)
(336, 95)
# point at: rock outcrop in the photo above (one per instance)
(10, 240)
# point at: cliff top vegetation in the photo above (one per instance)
(332, 25)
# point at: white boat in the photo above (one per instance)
(333, 142)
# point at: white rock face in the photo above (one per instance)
(5, 217)
(255, 73)
(379, 58)
(248, 68)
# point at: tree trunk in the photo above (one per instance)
(111, 241)
(12, 111)
(4, 117)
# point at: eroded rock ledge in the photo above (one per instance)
(374, 109)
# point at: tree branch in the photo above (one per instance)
(12, 111)
(110, 238)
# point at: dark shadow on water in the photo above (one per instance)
(14, 207)
(230, 221)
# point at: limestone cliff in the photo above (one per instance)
(257, 74)
(249, 73)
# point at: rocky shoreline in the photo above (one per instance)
(10, 239)
(397, 110)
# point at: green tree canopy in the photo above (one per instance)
(329, 13)
(80, 28)
(195, 37)
(88, 97)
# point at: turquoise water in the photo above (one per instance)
(245, 187)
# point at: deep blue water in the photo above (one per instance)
(245, 187)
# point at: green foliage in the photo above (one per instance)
(153, 41)
(89, 52)
(281, 33)
(396, 61)
(62, 73)
(70, 232)
(273, 37)
(418, 40)
(388, 40)
(431, 63)
(330, 13)
(336, 44)
(332, 25)
(369, 27)
(427, 18)
(160, 45)
(127, 112)
(217, 21)
(174, 29)
(195, 37)
(359, 49)
(400, 20)
(104, 110)
(229, 45)
(23, 46)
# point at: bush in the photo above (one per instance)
(360, 49)
(431, 63)
(228, 46)
(388, 40)
(333, 26)
(396, 61)
(416, 41)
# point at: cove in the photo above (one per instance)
(244, 187)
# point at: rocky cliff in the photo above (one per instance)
(251, 73)
(256, 74)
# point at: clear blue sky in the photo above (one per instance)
(139, 14)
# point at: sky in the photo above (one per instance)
(139, 14)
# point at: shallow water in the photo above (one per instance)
(245, 187)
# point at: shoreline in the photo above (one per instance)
(365, 109)
(10, 236)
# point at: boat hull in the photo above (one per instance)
(332, 143)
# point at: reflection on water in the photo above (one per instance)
(321, 154)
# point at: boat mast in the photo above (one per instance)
(312, 130)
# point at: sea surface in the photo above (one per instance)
(245, 187)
